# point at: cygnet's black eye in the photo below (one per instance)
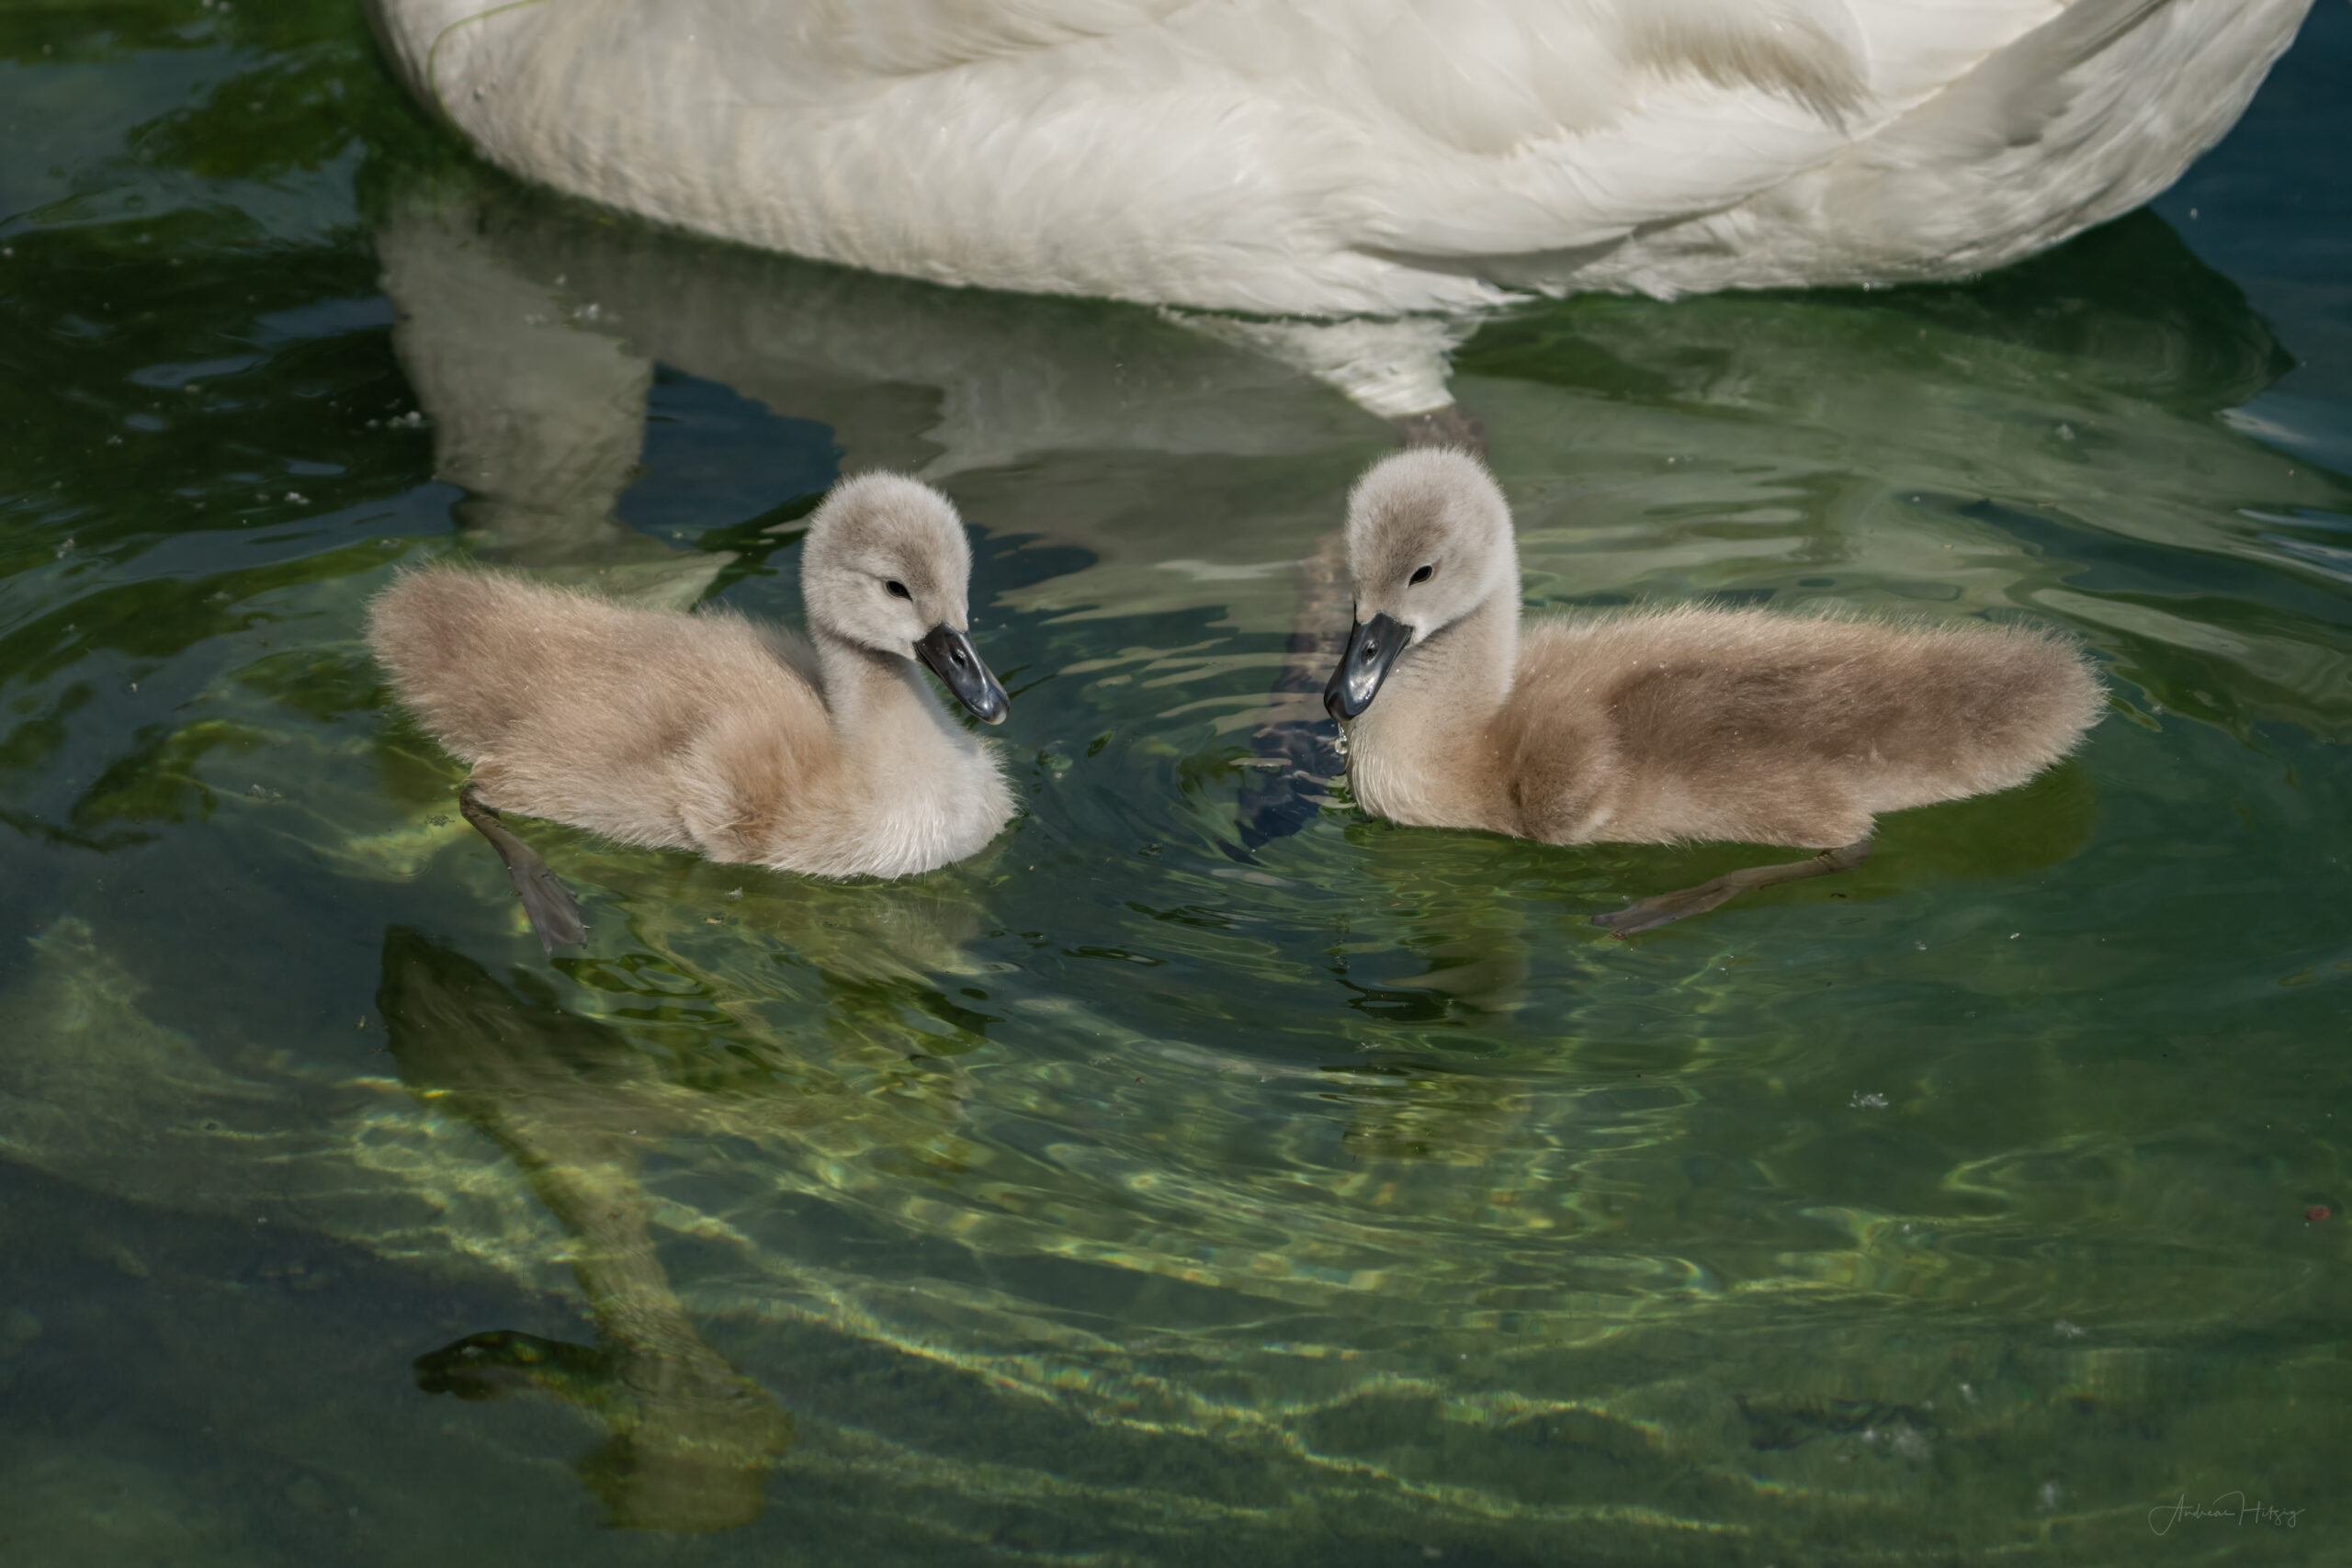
(1424, 574)
(898, 589)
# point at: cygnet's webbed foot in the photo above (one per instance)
(553, 912)
(1452, 426)
(1664, 909)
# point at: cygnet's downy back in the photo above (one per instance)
(1663, 725)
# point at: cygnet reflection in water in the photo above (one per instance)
(1665, 724)
(689, 1439)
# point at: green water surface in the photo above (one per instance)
(1137, 1192)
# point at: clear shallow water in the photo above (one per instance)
(1124, 1196)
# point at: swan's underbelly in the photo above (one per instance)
(1278, 194)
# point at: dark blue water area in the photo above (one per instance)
(2271, 208)
(715, 461)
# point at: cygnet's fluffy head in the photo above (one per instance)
(1428, 540)
(885, 561)
(885, 565)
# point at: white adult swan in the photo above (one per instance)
(1336, 157)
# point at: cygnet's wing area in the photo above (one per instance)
(1327, 156)
(1703, 723)
(625, 721)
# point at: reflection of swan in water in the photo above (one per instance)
(541, 424)
(691, 1441)
(530, 329)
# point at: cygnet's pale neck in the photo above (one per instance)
(923, 791)
(878, 700)
(1419, 752)
(1462, 672)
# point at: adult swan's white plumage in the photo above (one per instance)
(1324, 157)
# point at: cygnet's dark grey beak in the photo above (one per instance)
(1373, 647)
(952, 659)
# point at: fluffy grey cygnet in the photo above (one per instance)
(712, 732)
(1660, 726)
